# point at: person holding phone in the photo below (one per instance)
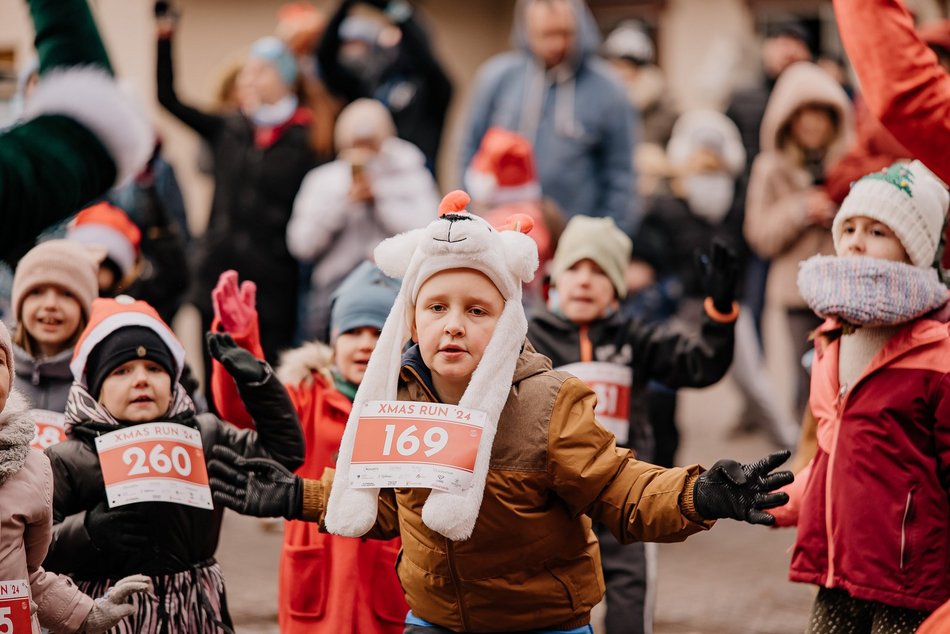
(378, 186)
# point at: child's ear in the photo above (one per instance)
(393, 255)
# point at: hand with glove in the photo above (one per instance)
(239, 363)
(114, 606)
(122, 531)
(742, 491)
(718, 271)
(254, 486)
(166, 18)
(235, 306)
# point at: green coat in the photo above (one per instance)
(61, 158)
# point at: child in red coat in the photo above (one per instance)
(328, 583)
(872, 507)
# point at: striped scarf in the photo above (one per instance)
(81, 408)
(866, 291)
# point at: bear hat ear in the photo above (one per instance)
(521, 254)
(454, 202)
(393, 255)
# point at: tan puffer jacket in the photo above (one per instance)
(533, 561)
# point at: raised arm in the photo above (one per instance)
(206, 124)
(901, 81)
(277, 433)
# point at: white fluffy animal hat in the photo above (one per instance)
(456, 240)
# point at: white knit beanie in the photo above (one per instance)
(456, 240)
(909, 199)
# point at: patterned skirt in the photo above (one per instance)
(188, 602)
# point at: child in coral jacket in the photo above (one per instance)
(328, 584)
(872, 507)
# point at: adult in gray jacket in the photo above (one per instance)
(553, 90)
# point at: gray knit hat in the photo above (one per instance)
(909, 199)
(597, 239)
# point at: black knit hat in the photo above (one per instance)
(126, 344)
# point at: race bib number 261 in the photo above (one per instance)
(417, 445)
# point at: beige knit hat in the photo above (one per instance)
(65, 263)
(597, 239)
(909, 199)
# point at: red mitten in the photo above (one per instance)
(235, 307)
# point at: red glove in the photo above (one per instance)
(235, 307)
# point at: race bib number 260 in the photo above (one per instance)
(417, 445)
(154, 462)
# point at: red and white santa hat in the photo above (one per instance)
(109, 315)
(502, 170)
(111, 228)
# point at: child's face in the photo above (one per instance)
(51, 315)
(865, 236)
(585, 293)
(454, 319)
(352, 350)
(813, 127)
(137, 391)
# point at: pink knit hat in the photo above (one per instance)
(67, 264)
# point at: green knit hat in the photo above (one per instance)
(597, 239)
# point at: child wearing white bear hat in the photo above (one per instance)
(520, 536)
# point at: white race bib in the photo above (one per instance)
(416, 445)
(15, 607)
(50, 428)
(611, 383)
(154, 462)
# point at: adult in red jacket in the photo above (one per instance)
(901, 79)
(327, 584)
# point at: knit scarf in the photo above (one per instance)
(866, 291)
(82, 408)
(16, 433)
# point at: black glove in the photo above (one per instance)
(718, 271)
(122, 531)
(239, 363)
(254, 486)
(741, 491)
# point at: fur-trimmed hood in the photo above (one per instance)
(298, 365)
(16, 433)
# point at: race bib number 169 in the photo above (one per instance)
(415, 444)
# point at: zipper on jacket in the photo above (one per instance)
(829, 535)
(587, 348)
(907, 506)
(450, 555)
